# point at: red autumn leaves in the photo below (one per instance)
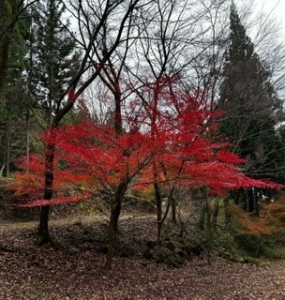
(169, 127)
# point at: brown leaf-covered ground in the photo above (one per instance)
(77, 270)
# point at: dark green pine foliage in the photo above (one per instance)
(251, 106)
(13, 49)
(13, 65)
(54, 57)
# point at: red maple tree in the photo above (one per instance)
(189, 153)
(170, 140)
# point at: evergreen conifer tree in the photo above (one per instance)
(13, 43)
(13, 63)
(249, 101)
(251, 108)
(54, 57)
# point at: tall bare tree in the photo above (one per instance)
(91, 17)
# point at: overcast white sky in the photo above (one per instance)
(277, 9)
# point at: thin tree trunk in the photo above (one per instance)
(28, 139)
(111, 242)
(118, 125)
(215, 214)
(227, 210)
(159, 226)
(250, 201)
(7, 150)
(255, 203)
(202, 218)
(173, 209)
(209, 228)
(115, 212)
(4, 52)
(43, 233)
(2, 169)
(247, 202)
(158, 200)
(116, 206)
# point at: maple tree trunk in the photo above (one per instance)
(115, 214)
(209, 228)
(155, 171)
(112, 233)
(158, 210)
(162, 219)
(118, 114)
(114, 221)
(43, 233)
(111, 242)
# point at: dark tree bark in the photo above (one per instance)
(43, 233)
(4, 60)
(227, 211)
(255, 203)
(173, 210)
(116, 206)
(215, 214)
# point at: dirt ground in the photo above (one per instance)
(76, 271)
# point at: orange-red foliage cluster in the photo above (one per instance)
(172, 128)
